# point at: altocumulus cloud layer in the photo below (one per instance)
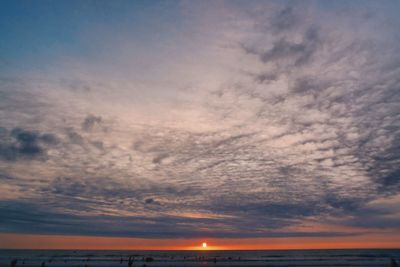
(205, 119)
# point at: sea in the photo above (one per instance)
(212, 258)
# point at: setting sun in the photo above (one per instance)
(204, 245)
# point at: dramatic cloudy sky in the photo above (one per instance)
(200, 119)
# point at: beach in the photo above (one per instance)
(65, 258)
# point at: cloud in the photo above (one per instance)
(159, 158)
(90, 122)
(75, 137)
(25, 144)
(289, 114)
(32, 219)
(299, 53)
(284, 20)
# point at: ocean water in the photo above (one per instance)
(82, 258)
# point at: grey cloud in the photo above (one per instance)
(373, 217)
(75, 137)
(391, 179)
(91, 122)
(266, 77)
(385, 169)
(373, 221)
(346, 204)
(108, 189)
(24, 217)
(304, 85)
(137, 145)
(160, 157)
(149, 200)
(5, 176)
(25, 144)
(298, 53)
(77, 85)
(98, 144)
(284, 19)
(279, 210)
(50, 139)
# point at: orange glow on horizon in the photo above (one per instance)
(21, 241)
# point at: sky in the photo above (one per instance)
(163, 124)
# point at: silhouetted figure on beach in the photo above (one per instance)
(149, 259)
(14, 263)
(215, 260)
(43, 264)
(130, 261)
(121, 260)
(393, 263)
